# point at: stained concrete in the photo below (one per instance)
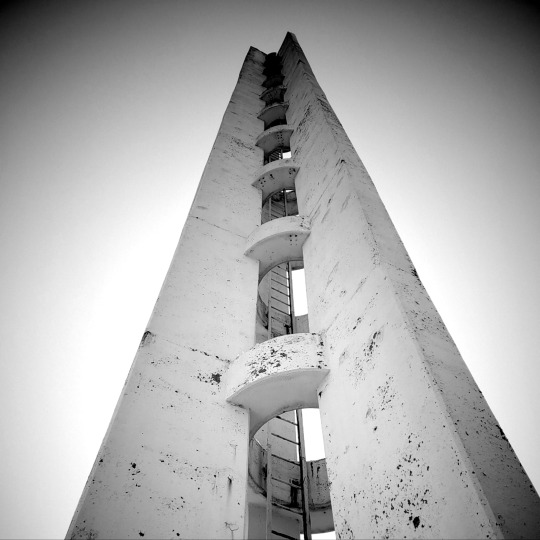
(173, 463)
(412, 449)
(420, 453)
(278, 375)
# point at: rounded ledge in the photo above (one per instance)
(275, 137)
(277, 375)
(275, 176)
(273, 112)
(272, 94)
(277, 241)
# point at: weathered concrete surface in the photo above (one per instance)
(174, 460)
(278, 375)
(412, 447)
(277, 241)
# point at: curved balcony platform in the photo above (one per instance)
(274, 94)
(275, 176)
(277, 241)
(278, 375)
(275, 137)
(273, 112)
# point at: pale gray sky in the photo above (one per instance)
(108, 111)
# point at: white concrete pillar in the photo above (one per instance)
(412, 447)
(174, 460)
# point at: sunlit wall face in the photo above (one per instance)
(108, 113)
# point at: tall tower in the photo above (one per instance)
(206, 440)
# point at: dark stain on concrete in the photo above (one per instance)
(207, 354)
(213, 378)
(147, 338)
(502, 433)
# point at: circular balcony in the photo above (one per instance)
(278, 375)
(275, 137)
(275, 176)
(277, 241)
(273, 112)
(273, 95)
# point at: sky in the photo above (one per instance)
(108, 111)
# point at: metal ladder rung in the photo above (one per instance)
(285, 420)
(288, 508)
(284, 312)
(282, 284)
(285, 438)
(280, 292)
(284, 535)
(288, 460)
(277, 299)
(282, 304)
(286, 483)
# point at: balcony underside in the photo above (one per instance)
(275, 176)
(278, 375)
(275, 137)
(277, 241)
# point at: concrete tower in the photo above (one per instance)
(205, 441)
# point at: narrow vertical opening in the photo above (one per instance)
(280, 152)
(280, 204)
(287, 463)
(313, 434)
(299, 292)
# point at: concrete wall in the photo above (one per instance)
(174, 460)
(412, 447)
